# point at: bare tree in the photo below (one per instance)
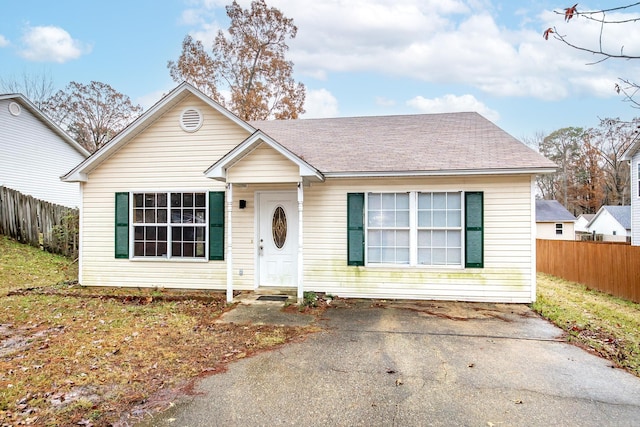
(38, 88)
(249, 62)
(627, 87)
(92, 114)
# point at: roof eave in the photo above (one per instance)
(218, 170)
(441, 172)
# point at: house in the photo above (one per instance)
(580, 226)
(437, 206)
(613, 223)
(632, 155)
(35, 152)
(554, 221)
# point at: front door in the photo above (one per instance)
(278, 239)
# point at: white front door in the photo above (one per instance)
(277, 239)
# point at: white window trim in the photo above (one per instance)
(413, 232)
(167, 258)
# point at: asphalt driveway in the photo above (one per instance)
(418, 363)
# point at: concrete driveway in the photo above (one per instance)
(414, 364)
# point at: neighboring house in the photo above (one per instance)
(581, 225)
(632, 155)
(437, 206)
(35, 153)
(554, 221)
(613, 223)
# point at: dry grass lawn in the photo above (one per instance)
(605, 324)
(76, 356)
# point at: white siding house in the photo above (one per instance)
(436, 206)
(35, 153)
(554, 221)
(632, 155)
(612, 223)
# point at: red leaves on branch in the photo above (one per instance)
(569, 12)
(547, 32)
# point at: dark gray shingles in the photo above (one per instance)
(426, 142)
(552, 211)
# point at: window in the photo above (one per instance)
(559, 229)
(170, 225)
(388, 228)
(416, 228)
(439, 229)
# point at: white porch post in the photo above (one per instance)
(229, 199)
(300, 240)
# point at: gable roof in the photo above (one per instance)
(622, 214)
(24, 102)
(421, 144)
(408, 145)
(552, 211)
(79, 173)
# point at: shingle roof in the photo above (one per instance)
(406, 143)
(552, 211)
(622, 214)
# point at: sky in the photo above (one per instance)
(355, 57)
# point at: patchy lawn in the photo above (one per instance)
(605, 324)
(76, 356)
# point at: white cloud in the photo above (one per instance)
(3, 41)
(452, 104)
(446, 42)
(320, 103)
(51, 44)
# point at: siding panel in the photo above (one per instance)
(33, 157)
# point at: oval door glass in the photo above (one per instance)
(279, 227)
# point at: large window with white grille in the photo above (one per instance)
(170, 225)
(414, 228)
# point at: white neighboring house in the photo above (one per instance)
(554, 221)
(35, 153)
(613, 223)
(581, 224)
(632, 155)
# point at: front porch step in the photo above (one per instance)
(276, 291)
(253, 297)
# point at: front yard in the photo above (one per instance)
(96, 357)
(76, 356)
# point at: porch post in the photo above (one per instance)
(300, 240)
(229, 255)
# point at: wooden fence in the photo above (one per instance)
(613, 268)
(38, 223)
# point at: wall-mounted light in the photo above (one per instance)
(242, 204)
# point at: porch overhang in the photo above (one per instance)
(218, 170)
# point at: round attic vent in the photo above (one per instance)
(15, 109)
(190, 119)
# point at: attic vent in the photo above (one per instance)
(191, 120)
(15, 109)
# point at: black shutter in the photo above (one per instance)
(122, 226)
(355, 229)
(474, 229)
(216, 225)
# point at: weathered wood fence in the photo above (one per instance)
(38, 223)
(613, 268)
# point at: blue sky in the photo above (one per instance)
(356, 57)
